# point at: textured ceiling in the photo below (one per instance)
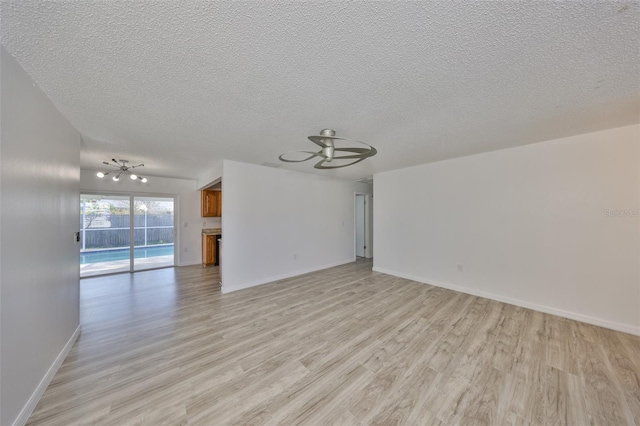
(177, 85)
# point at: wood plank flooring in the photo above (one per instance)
(343, 346)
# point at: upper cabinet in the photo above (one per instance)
(211, 203)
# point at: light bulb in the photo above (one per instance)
(115, 178)
(144, 180)
(100, 175)
(133, 177)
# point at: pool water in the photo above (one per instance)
(123, 253)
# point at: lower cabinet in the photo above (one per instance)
(209, 249)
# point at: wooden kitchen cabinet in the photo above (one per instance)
(211, 203)
(209, 249)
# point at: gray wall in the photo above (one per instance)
(39, 266)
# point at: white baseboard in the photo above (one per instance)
(226, 289)
(625, 328)
(44, 383)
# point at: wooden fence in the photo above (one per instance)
(159, 230)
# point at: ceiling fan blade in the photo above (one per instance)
(356, 153)
(371, 150)
(318, 140)
(320, 164)
(354, 150)
(321, 140)
(347, 157)
(312, 154)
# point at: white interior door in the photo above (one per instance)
(360, 225)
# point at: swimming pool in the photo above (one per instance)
(123, 253)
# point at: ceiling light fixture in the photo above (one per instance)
(122, 167)
(327, 142)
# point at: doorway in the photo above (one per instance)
(125, 233)
(363, 222)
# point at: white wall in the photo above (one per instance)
(280, 223)
(39, 192)
(189, 220)
(369, 219)
(528, 224)
(212, 175)
(371, 246)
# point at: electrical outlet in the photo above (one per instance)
(460, 268)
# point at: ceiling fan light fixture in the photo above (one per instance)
(329, 152)
(122, 167)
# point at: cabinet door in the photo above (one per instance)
(211, 249)
(211, 203)
(204, 250)
(215, 203)
(208, 249)
(205, 203)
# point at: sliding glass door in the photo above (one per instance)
(125, 233)
(153, 232)
(104, 234)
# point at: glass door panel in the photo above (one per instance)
(105, 234)
(153, 219)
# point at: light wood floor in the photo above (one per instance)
(341, 346)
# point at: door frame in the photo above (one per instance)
(368, 224)
(132, 195)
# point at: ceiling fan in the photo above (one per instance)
(327, 141)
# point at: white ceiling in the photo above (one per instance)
(177, 85)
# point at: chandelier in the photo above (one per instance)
(332, 148)
(122, 168)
